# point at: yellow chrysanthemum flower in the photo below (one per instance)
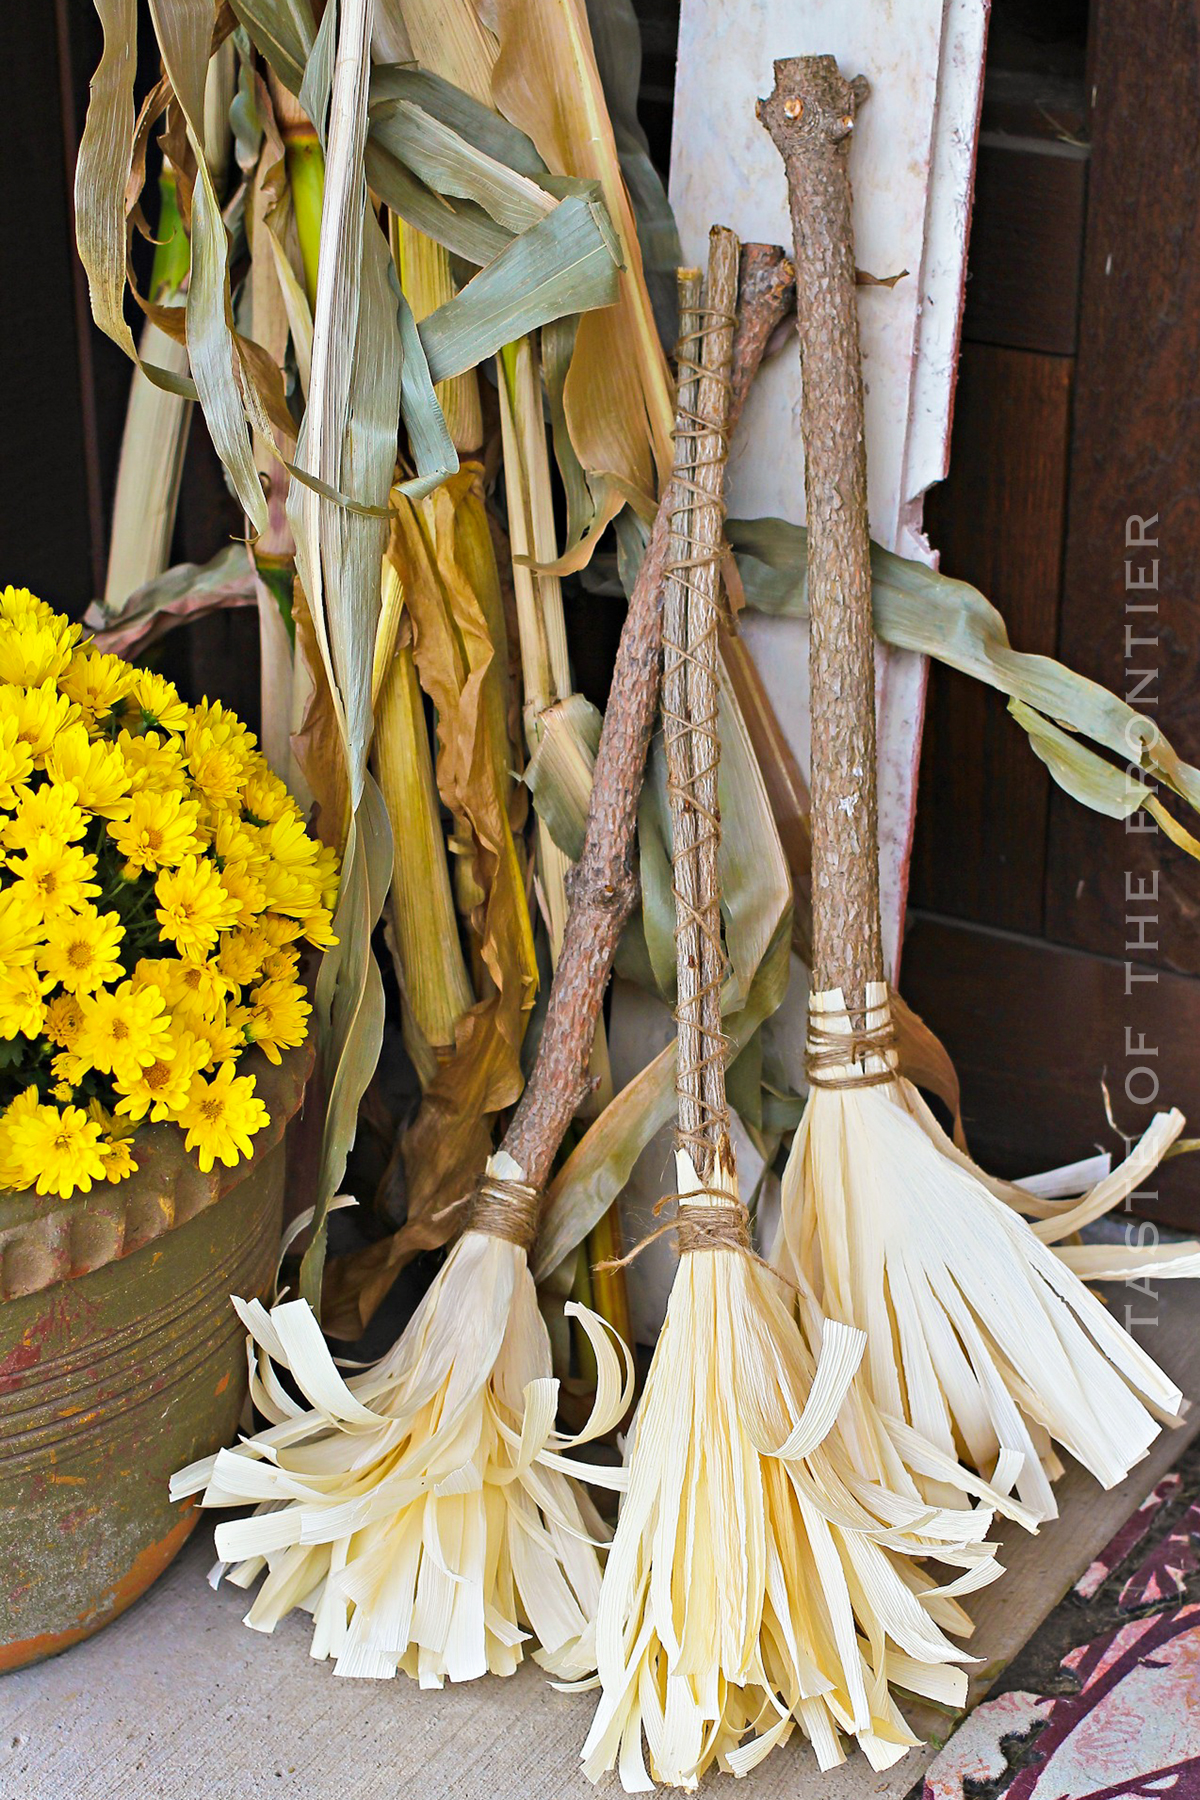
(125, 1029)
(197, 836)
(278, 1017)
(57, 875)
(20, 926)
(51, 810)
(160, 1090)
(194, 908)
(32, 652)
(154, 761)
(96, 770)
(264, 797)
(41, 714)
(82, 951)
(97, 683)
(158, 701)
(160, 831)
(218, 769)
(221, 1116)
(16, 763)
(25, 1103)
(22, 1002)
(58, 1152)
(242, 953)
(64, 1020)
(221, 1036)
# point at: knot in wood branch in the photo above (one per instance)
(812, 105)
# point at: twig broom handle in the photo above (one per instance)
(810, 115)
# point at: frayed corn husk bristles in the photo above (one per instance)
(757, 1582)
(979, 1333)
(423, 1511)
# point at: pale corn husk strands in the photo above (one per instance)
(978, 1335)
(425, 1512)
(978, 1331)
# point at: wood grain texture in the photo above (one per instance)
(1034, 1029)
(810, 115)
(1136, 454)
(1026, 243)
(998, 521)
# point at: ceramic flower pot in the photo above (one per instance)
(121, 1360)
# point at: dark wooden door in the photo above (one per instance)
(1054, 949)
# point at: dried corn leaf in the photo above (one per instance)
(184, 32)
(599, 1166)
(617, 395)
(916, 608)
(183, 593)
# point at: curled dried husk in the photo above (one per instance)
(424, 1511)
(758, 1580)
(979, 1333)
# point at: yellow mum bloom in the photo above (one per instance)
(58, 1152)
(118, 1158)
(20, 926)
(161, 1089)
(28, 1102)
(194, 908)
(96, 770)
(242, 953)
(265, 797)
(278, 1013)
(57, 875)
(22, 1002)
(221, 1116)
(158, 701)
(125, 1029)
(82, 951)
(160, 831)
(32, 652)
(194, 989)
(154, 761)
(19, 605)
(215, 718)
(41, 714)
(218, 769)
(221, 1036)
(51, 810)
(16, 763)
(98, 683)
(64, 1020)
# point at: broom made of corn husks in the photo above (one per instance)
(757, 1579)
(424, 1510)
(979, 1333)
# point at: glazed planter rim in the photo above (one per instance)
(45, 1240)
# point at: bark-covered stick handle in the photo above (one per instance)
(810, 115)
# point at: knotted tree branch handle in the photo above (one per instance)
(810, 115)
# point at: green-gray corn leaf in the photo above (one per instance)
(102, 169)
(916, 608)
(599, 1167)
(348, 441)
(566, 263)
(184, 32)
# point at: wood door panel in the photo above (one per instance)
(1034, 1029)
(1136, 454)
(998, 523)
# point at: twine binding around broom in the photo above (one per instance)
(838, 1059)
(505, 1209)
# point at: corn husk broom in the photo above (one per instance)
(425, 1511)
(755, 1581)
(978, 1334)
